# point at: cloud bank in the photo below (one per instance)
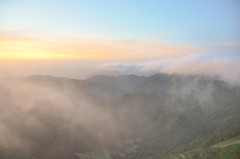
(224, 66)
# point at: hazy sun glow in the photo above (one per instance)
(29, 48)
(22, 48)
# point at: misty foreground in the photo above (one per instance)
(130, 117)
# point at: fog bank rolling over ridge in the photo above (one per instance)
(224, 66)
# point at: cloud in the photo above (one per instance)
(225, 66)
(44, 116)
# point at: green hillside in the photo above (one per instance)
(227, 143)
(129, 117)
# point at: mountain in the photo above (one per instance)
(127, 116)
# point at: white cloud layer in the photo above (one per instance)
(225, 66)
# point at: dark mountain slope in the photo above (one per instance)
(130, 116)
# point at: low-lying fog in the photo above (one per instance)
(51, 117)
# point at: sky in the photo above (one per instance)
(115, 31)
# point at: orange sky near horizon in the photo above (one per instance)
(15, 47)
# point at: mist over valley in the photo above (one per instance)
(127, 116)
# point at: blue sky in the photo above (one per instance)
(206, 25)
(186, 20)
